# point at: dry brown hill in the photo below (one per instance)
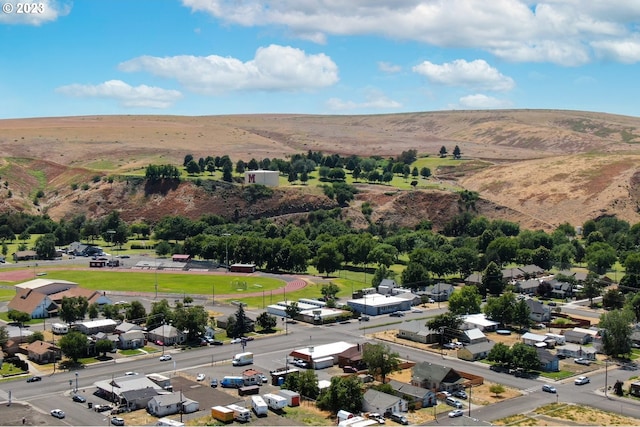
(540, 167)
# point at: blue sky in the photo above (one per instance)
(211, 57)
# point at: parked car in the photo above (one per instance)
(460, 393)
(364, 318)
(349, 370)
(416, 310)
(582, 361)
(165, 357)
(129, 373)
(399, 418)
(582, 381)
(377, 417)
(214, 383)
(549, 389)
(102, 408)
(117, 421)
(58, 413)
(78, 398)
(34, 379)
(397, 314)
(456, 413)
(450, 346)
(200, 377)
(263, 378)
(216, 342)
(236, 341)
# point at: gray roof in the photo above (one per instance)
(417, 327)
(430, 370)
(378, 399)
(168, 399)
(408, 389)
(143, 393)
(545, 356)
(535, 306)
(480, 347)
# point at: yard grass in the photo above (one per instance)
(7, 294)
(199, 284)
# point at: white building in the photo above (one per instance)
(268, 178)
(480, 321)
(375, 304)
(312, 353)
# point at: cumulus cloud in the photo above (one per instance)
(32, 13)
(626, 51)
(558, 31)
(475, 74)
(481, 102)
(274, 68)
(374, 101)
(387, 67)
(125, 94)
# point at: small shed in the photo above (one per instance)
(293, 397)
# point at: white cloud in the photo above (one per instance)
(32, 13)
(626, 51)
(481, 102)
(558, 31)
(387, 67)
(274, 68)
(374, 101)
(127, 95)
(475, 74)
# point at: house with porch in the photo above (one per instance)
(43, 352)
(131, 339)
(440, 291)
(416, 396)
(548, 362)
(436, 377)
(538, 311)
(167, 334)
(383, 403)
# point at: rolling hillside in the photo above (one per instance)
(537, 167)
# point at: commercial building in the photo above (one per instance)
(376, 304)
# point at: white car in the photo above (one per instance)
(165, 357)
(236, 341)
(130, 373)
(200, 377)
(582, 381)
(58, 413)
(456, 413)
(117, 421)
(582, 361)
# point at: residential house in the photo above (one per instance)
(352, 357)
(167, 334)
(548, 362)
(472, 336)
(537, 340)
(538, 311)
(440, 291)
(560, 289)
(387, 286)
(138, 398)
(527, 287)
(127, 327)
(436, 377)
(114, 389)
(383, 403)
(169, 404)
(579, 336)
(417, 331)
(418, 397)
(131, 339)
(575, 351)
(82, 249)
(473, 279)
(43, 352)
(473, 352)
(480, 321)
(409, 296)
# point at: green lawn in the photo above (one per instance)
(201, 284)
